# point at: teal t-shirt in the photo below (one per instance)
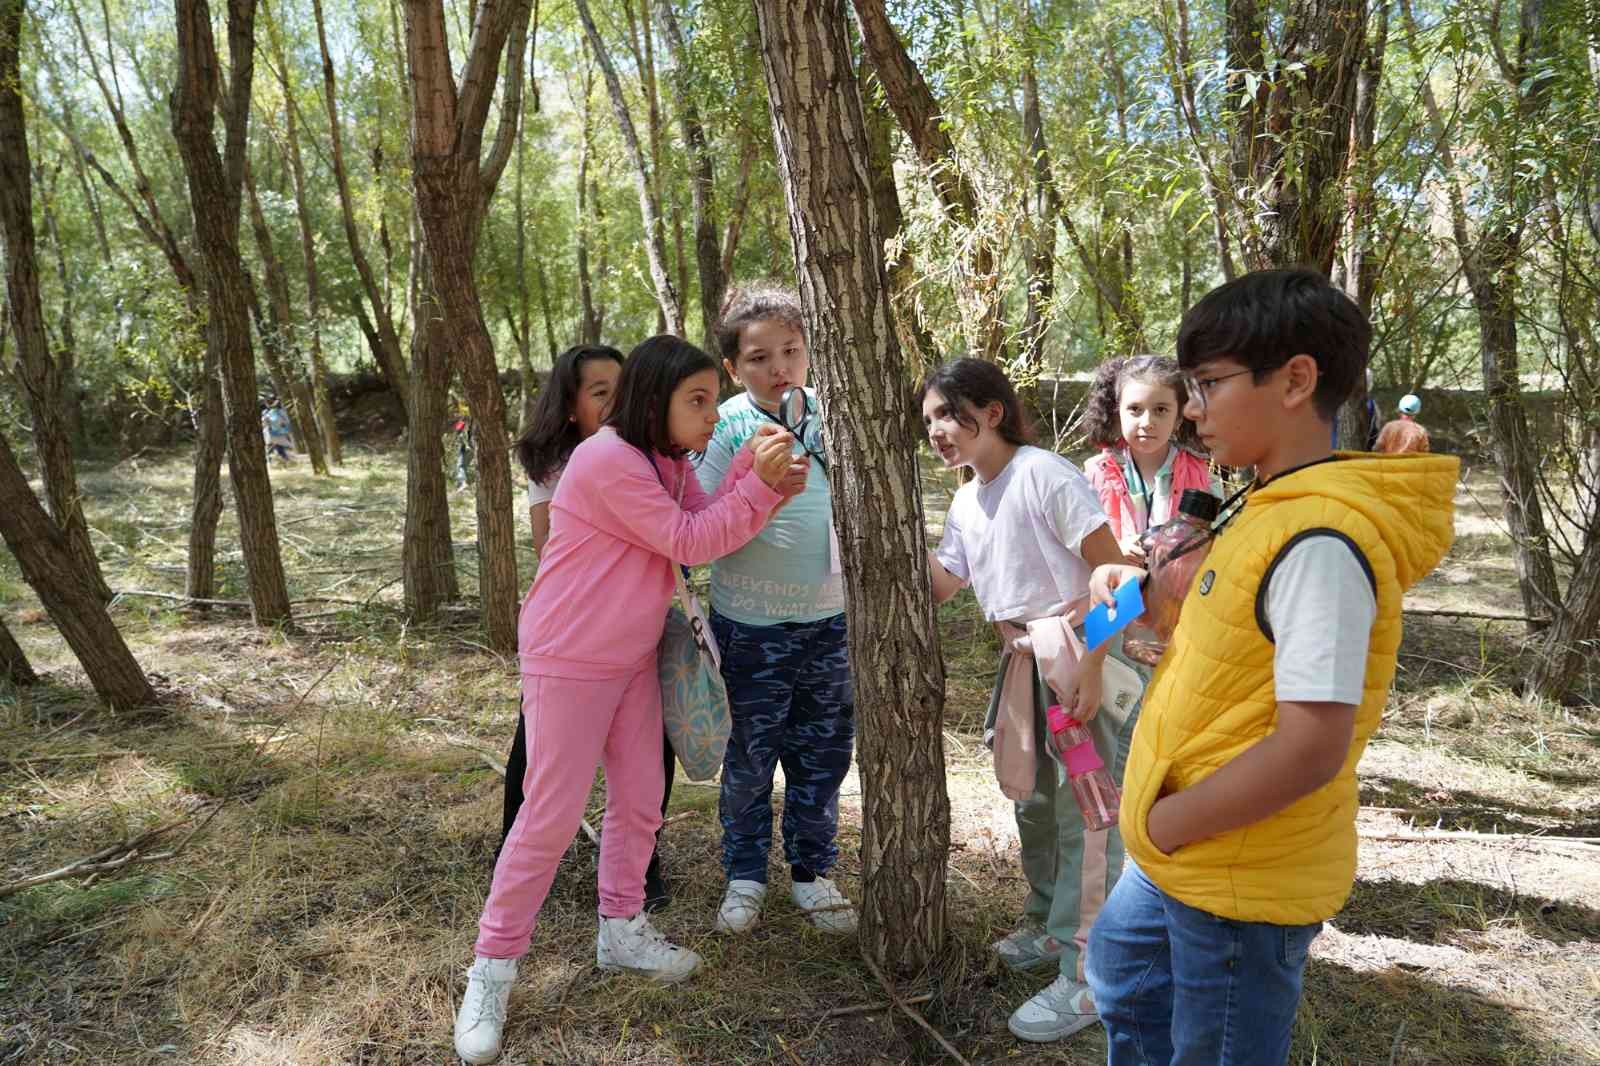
(786, 574)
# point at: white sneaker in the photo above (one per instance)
(482, 1016)
(825, 905)
(1060, 1009)
(741, 906)
(633, 944)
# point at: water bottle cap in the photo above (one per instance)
(1198, 503)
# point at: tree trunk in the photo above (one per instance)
(387, 351)
(14, 666)
(589, 325)
(40, 374)
(1490, 264)
(1039, 243)
(649, 204)
(453, 186)
(205, 406)
(1360, 265)
(214, 194)
(427, 551)
(702, 180)
(820, 134)
(1570, 642)
(919, 114)
(277, 336)
(67, 354)
(323, 408)
(53, 574)
(916, 342)
(1289, 136)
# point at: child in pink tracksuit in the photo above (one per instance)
(587, 637)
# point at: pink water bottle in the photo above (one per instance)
(1092, 786)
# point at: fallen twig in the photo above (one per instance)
(498, 766)
(243, 605)
(910, 1011)
(1483, 838)
(866, 1008)
(105, 860)
(1450, 612)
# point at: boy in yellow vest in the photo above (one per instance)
(1239, 804)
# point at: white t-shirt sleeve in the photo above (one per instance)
(952, 552)
(1321, 607)
(543, 491)
(1072, 508)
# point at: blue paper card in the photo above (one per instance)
(1103, 623)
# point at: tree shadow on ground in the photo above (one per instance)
(1433, 911)
(1460, 809)
(1358, 1018)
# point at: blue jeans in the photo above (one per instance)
(1179, 986)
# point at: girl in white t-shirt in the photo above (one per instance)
(1025, 534)
(575, 399)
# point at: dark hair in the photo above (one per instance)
(1102, 409)
(551, 435)
(1267, 317)
(980, 383)
(756, 302)
(654, 368)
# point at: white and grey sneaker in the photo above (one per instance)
(1028, 947)
(634, 945)
(741, 906)
(482, 1016)
(828, 908)
(1061, 1008)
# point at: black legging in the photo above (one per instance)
(517, 769)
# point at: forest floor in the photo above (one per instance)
(326, 910)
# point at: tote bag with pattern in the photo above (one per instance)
(694, 700)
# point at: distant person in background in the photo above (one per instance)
(275, 430)
(1404, 434)
(461, 426)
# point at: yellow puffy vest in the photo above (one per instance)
(1212, 696)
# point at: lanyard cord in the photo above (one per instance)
(799, 434)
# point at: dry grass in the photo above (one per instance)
(326, 914)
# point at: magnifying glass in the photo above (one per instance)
(794, 414)
(793, 411)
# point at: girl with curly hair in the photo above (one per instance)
(1148, 450)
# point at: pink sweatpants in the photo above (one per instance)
(572, 726)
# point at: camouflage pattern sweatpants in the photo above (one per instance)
(793, 705)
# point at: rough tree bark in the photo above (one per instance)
(1289, 137)
(14, 666)
(920, 116)
(454, 181)
(215, 184)
(702, 179)
(40, 374)
(53, 574)
(649, 204)
(820, 134)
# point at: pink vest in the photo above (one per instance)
(1189, 471)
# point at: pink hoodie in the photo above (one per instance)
(599, 602)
